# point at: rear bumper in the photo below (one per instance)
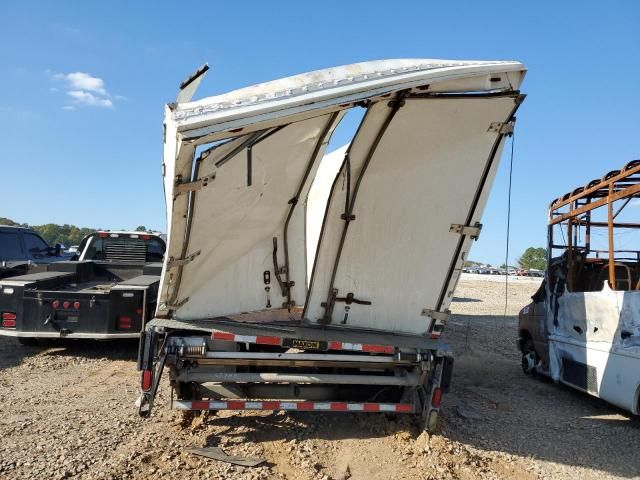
(73, 335)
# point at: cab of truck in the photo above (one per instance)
(22, 249)
(136, 247)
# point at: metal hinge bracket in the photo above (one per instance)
(186, 187)
(179, 262)
(436, 315)
(503, 128)
(176, 305)
(472, 231)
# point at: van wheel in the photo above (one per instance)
(529, 358)
(28, 341)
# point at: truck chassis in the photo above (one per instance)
(224, 365)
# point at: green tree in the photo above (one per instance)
(535, 258)
(11, 223)
(141, 228)
(53, 233)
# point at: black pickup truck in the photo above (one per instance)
(22, 250)
(109, 292)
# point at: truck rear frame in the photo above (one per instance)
(286, 366)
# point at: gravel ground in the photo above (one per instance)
(68, 412)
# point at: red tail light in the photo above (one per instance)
(145, 237)
(138, 311)
(9, 320)
(55, 304)
(124, 323)
(76, 305)
(66, 304)
(102, 235)
(146, 380)
(436, 399)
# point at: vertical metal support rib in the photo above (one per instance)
(346, 164)
(612, 260)
(192, 198)
(249, 165)
(294, 201)
(570, 254)
(348, 215)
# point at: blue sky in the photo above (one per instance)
(83, 86)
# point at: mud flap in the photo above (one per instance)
(437, 384)
(150, 364)
(447, 374)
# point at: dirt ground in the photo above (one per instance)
(68, 412)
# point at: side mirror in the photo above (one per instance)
(58, 249)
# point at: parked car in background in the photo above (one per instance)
(22, 250)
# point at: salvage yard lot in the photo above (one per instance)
(68, 411)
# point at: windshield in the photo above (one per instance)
(36, 247)
(10, 247)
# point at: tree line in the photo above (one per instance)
(53, 233)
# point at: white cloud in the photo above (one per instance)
(84, 89)
(86, 98)
(83, 81)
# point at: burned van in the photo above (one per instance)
(583, 326)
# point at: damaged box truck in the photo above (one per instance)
(270, 302)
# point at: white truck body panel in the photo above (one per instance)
(588, 332)
(427, 166)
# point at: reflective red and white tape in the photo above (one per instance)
(270, 340)
(294, 405)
